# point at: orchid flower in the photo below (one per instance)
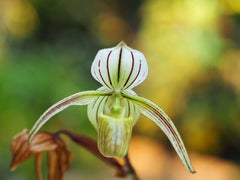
(114, 108)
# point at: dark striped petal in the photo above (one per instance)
(114, 135)
(157, 115)
(120, 67)
(81, 98)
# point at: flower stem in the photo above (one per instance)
(91, 145)
(131, 171)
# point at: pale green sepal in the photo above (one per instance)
(157, 115)
(114, 135)
(81, 98)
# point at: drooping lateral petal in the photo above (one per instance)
(158, 116)
(81, 98)
(120, 67)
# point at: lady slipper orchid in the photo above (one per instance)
(114, 108)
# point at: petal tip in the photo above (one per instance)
(193, 171)
(12, 167)
(122, 44)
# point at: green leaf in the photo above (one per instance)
(158, 116)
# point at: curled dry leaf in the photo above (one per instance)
(59, 161)
(59, 157)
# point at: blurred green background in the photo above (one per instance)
(193, 52)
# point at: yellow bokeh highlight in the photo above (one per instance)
(18, 17)
(173, 36)
(190, 13)
(231, 6)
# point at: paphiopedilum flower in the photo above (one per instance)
(114, 108)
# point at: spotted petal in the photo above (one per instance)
(158, 116)
(81, 98)
(120, 67)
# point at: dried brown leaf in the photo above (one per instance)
(59, 161)
(59, 157)
(38, 166)
(22, 150)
